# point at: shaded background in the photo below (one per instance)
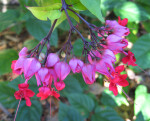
(78, 101)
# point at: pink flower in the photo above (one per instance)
(52, 59)
(88, 73)
(17, 65)
(122, 22)
(23, 52)
(116, 28)
(42, 75)
(24, 92)
(59, 85)
(116, 43)
(62, 70)
(76, 65)
(130, 59)
(117, 79)
(31, 66)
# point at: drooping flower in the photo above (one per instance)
(117, 79)
(24, 92)
(122, 22)
(76, 65)
(52, 59)
(30, 67)
(116, 28)
(129, 59)
(88, 73)
(116, 43)
(59, 85)
(23, 52)
(62, 70)
(42, 75)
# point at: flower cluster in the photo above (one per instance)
(54, 70)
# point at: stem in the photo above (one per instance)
(17, 110)
(48, 36)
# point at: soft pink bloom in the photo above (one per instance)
(42, 75)
(76, 65)
(103, 62)
(117, 79)
(116, 43)
(130, 59)
(23, 52)
(62, 70)
(116, 28)
(59, 85)
(88, 73)
(30, 67)
(52, 59)
(122, 22)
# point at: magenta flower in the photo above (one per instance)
(76, 65)
(62, 70)
(30, 67)
(52, 59)
(23, 52)
(88, 73)
(43, 92)
(24, 92)
(116, 43)
(116, 28)
(42, 75)
(130, 59)
(117, 79)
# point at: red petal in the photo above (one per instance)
(17, 95)
(23, 86)
(113, 88)
(29, 93)
(123, 83)
(119, 68)
(28, 102)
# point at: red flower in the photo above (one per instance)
(117, 79)
(130, 59)
(122, 22)
(44, 92)
(24, 92)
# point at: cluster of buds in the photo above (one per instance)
(98, 55)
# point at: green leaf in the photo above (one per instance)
(32, 113)
(82, 102)
(78, 47)
(133, 31)
(132, 11)
(68, 113)
(141, 50)
(39, 29)
(109, 99)
(146, 2)
(146, 26)
(6, 57)
(142, 99)
(7, 95)
(49, 12)
(105, 114)
(94, 7)
(79, 7)
(8, 19)
(140, 117)
(31, 43)
(72, 86)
